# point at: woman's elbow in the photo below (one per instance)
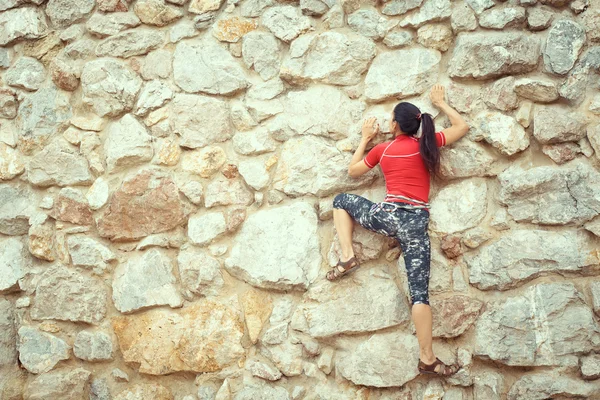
(464, 129)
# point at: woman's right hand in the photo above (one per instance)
(370, 128)
(437, 95)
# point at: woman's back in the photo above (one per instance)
(403, 167)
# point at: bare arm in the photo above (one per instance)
(459, 127)
(357, 166)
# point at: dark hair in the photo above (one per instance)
(409, 118)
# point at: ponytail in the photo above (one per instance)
(428, 145)
(409, 118)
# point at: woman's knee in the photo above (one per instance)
(340, 200)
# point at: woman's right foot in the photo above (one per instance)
(437, 367)
(342, 268)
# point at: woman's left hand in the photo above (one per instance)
(370, 128)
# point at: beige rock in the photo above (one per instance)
(257, 309)
(233, 29)
(204, 337)
(146, 203)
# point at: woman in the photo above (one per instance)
(407, 163)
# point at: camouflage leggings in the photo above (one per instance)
(407, 225)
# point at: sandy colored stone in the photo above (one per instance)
(204, 337)
(257, 309)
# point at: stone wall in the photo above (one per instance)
(168, 170)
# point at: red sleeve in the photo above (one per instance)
(372, 159)
(440, 139)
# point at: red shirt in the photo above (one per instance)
(403, 167)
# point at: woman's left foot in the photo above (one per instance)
(346, 267)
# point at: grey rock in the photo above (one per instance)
(224, 192)
(369, 23)
(430, 11)
(316, 7)
(398, 38)
(66, 384)
(402, 73)
(26, 73)
(329, 177)
(480, 6)
(255, 172)
(204, 228)
(9, 104)
(8, 4)
(502, 132)
(61, 164)
(258, 250)
(463, 18)
(41, 115)
(93, 346)
(478, 55)
(99, 389)
(147, 281)
(371, 362)
(539, 18)
(15, 264)
(459, 206)
(538, 90)
(63, 13)
(133, 42)
(39, 351)
(87, 252)
(464, 159)
(207, 67)
(578, 80)
(400, 7)
(22, 23)
(157, 64)
(488, 385)
(103, 25)
(15, 209)
(502, 17)
(501, 94)
(8, 334)
(200, 274)
(155, 94)
(563, 45)
(109, 86)
(370, 302)
(541, 386)
(264, 391)
(254, 8)
(553, 124)
(254, 142)
(183, 30)
(510, 331)
(127, 144)
(329, 57)
(285, 22)
(551, 195)
(199, 120)
(67, 295)
(320, 111)
(261, 51)
(590, 366)
(528, 254)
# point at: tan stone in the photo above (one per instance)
(168, 152)
(204, 162)
(112, 5)
(11, 162)
(257, 309)
(41, 241)
(454, 315)
(202, 6)
(72, 207)
(204, 337)
(146, 203)
(146, 391)
(233, 29)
